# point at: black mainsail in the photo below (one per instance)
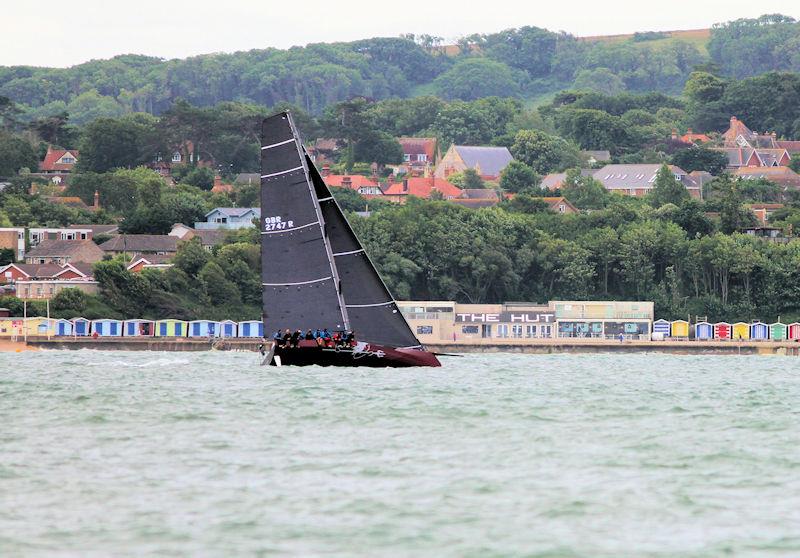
(314, 271)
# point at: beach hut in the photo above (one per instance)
(759, 331)
(227, 328)
(662, 327)
(204, 328)
(107, 328)
(81, 327)
(794, 331)
(741, 331)
(11, 327)
(40, 326)
(251, 328)
(170, 328)
(64, 328)
(680, 328)
(703, 331)
(139, 328)
(722, 330)
(777, 331)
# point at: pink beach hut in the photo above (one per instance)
(794, 331)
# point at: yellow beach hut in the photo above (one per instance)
(741, 330)
(680, 328)
(171, 328)
(40, 327)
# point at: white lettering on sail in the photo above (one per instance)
(275, 223)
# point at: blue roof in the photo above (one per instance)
(492, 160)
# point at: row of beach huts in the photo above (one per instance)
(707, 331)
(81, 327)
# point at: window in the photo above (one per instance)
(502, 330)
(425, 330)
(562, 208)
(422, 157)
(530, 331)
(469, 330)
(406, 157)
(67, 160)
(176, 157)
(516, 331)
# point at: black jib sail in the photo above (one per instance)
(315, 273)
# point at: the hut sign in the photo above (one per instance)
(507, 317)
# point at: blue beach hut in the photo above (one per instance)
(703, 331)
(759, 331)
(204, 328)
(662, 327)
(81, 327)
(107, 328)
(139, 328)
(227, 328)
(64, 328)
(251, 328)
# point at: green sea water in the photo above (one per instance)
(208, 454)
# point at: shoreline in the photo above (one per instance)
(521, 346)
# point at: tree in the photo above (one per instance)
(697, 158)
(15, 154)
(543, 152)
(733, 216)
(667, 189)
(473, 78)
(69, 303)
(584, 191)
(592, 129)
(111, 143)
(517, 177)
(219, 289)
(472, 180)
(191, 257)
(600, 79)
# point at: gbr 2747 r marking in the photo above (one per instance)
(275, 223)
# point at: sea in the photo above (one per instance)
(151, 454)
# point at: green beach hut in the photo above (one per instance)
(777, 331)
(171, 328)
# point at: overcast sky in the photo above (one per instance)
(50, 33)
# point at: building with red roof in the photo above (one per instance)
(420, 155)
(58, 164)
(366, 186)
(421, 187)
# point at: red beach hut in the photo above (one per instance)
(722, 330)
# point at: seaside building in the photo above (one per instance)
(488, 162)
(438, 321)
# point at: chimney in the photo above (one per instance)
(96, 204)
(347, 182)
(405, 185)
(217, 181)
(689, 131)
(733, 120)
(674, 133)
(326, 170)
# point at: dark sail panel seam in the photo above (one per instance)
(370, 305)
(349, 253)
(277, 144)
(281, 172)
(300, 283)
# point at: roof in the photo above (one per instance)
(737, 128)
(475, 203)
(554, 202)
(327, 144)
(35, 270)
(141, 243)
(789, 145)
(553, 180)
(210, 237)
(97, 229)
(780, 175)
(625, 177)
(59, 248)
(419, 146)
(479, 194)
(51, 160)
(423, 187)
(235, 211)
(83, 267)
(150, 259)
(356, 181)
(491, 160)
(691, 137)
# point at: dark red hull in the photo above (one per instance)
(376, 356)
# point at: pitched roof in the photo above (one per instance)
(554, 202)
(52, 158)
(491, 160)
(625, 177)
(737, 128)
(479, 194)
(235, 211)
(35, 270)
(553, 180)
(691, 137)
(354, 181)
(141, 243)
(475, 203)
(419, 146)
(789, 145)
(152, 259)
(210, 237)
(50, 248)
(422, 187)
(97, 229)
(599, 156)
(780, 175)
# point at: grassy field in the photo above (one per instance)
(697, 37)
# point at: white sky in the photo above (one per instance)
(51, 33)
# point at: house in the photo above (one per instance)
(221, 187)
(367, 187)
(739, 157)
(772, 234)
(183, 153)
(96, 229)
(477, 197)
(690, 137)
(638, 180)
(229, 218)
(64, 252)
(554, 181)
(324, 150)
(746, 148)
(420, 187)
(783, 176)
(13, 238)
(139, 262)
(488, 162)
(38, 234)
(420, 155)
(763, 211)
(560, 205)
(208, 237)
(594, 157)
(14, 272)
(739, 135)
(58, 164)
(143, 244)
(44, 289)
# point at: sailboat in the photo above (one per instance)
(315, 273)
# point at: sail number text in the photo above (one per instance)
(275, 223)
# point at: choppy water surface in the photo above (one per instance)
(165, 454)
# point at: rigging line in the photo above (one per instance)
(282, 172)
(348, 253)
(370, 305)
(290, 230)
(293, 284)
(325, 199)
(277, 144)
